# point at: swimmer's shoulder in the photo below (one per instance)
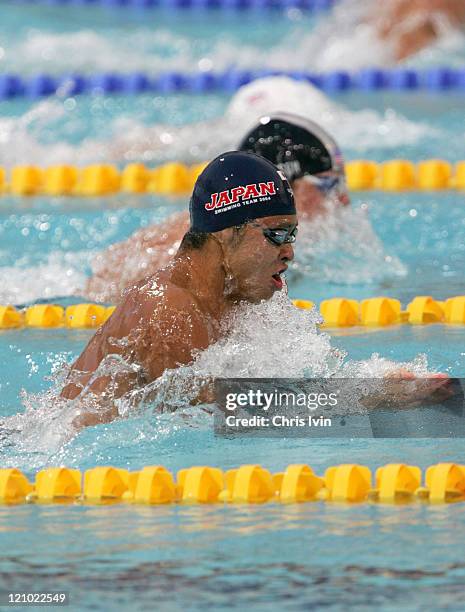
(156, 295)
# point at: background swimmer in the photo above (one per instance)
(265, 96)
(130, 139)
(310, 159)
(411, 25)
(356, 253)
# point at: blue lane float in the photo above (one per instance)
(308, 6)
(439, 80)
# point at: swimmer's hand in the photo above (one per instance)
(205, 391)
(403, 389)
(89, 419)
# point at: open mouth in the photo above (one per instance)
(277, 280)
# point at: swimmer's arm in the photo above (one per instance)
(97, 400)
(95, 395)
(174, 336)
(172, 340)
(411, 25)
(403, 389)
(112, 271)
(170, 333)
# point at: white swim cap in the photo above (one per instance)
(278, 94)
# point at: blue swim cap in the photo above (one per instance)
(237, 187)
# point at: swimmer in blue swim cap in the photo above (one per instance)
(308, 156)
(243, 225)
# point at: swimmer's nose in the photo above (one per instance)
(286, 252)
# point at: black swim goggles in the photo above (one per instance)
(278, 236)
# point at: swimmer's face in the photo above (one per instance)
(310, 200)
(253, 262)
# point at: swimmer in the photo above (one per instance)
(243, 223)
(308, 156)
(411, 25)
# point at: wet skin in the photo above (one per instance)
(152, 248)
(166, 317)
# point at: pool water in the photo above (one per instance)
(401, 245)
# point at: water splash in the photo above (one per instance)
(336, 41)
(129, 139)
(60, 275)
(343, 248)
(45, 431)
(20, 137)
(29, 437)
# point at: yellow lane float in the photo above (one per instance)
(361, 175)
(397, 175)
(10, 317)
(380, 312)
(249, 484)
(44, 315)
(98, 180)
(14, 486)
(423, 309)
(348, 483)
(55, 484)
(85, 315)
(173, 178)
(60, 180)
(26, 180)
(340, 312)
(434, 174)
(396, 482)
(135, 178)
(155, 485)
(105, 484)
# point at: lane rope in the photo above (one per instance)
(178, 179)
(336, 312)
(252, 484)
(312, 6)
(439, 80)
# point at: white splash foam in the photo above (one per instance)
(20, 137)
(60, 275)
(91, 51)
(297, 350)
(343, 248)
(355, 130)
(339, 40)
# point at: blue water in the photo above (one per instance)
(295, 557)
(336, 557)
